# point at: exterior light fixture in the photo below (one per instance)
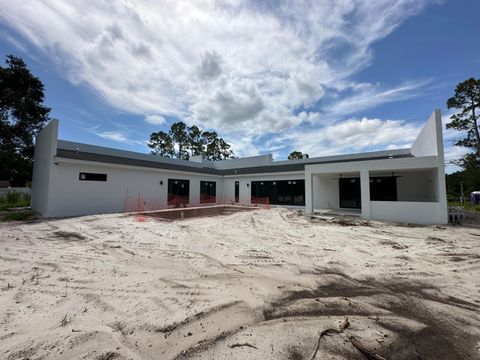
(161, 182)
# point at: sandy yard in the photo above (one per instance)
(259, 284)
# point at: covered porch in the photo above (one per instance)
(398, 193)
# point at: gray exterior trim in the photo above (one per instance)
(281, 166)
(69, 154)
(228, 164)
(294, 166)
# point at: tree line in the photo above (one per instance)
(183, 142)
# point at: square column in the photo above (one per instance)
(308, 193)
(365, 193)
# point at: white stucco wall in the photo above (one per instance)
(45, 149)
(74, 197)
(427, 142)
(408, 212)
(417, 185)
(325, 195)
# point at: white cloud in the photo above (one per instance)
(112, 135)
(366, 96)
(353, 135)
(454, 153)
(241, 67)
(155, 119)
(116, 136)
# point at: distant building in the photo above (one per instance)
(404, 185)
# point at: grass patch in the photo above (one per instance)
(467, 205)
(6, 207)
(14, 199)
(17, 216)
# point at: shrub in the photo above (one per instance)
(15, 198)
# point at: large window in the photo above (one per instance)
(383, 188)
(178, 192)
(280, 192)
(92, 177)
(208, 191)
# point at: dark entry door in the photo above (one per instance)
(350, 195)
(237, 191)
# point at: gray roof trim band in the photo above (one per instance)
(69, 154)
(273, 168)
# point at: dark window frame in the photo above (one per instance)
(280, 192)
(175, 195)
(208, 192)
(84, 176)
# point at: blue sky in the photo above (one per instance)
(324, 76)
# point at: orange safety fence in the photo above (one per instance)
(137, 204)
(263, 202)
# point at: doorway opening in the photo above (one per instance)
(350, 194)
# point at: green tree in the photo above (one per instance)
(189, 141)
(217, 148)
(467, 101)
(295, 155)
(225, 150)
(162, 144)
(211, 147)
(22, 115)
(196, 141)
(178, 133)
